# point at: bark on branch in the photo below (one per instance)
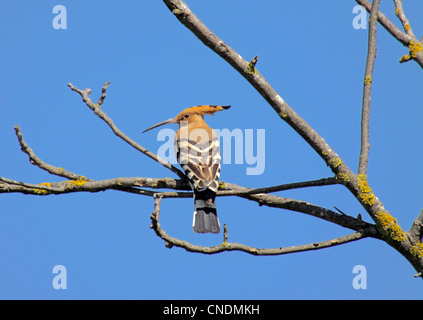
(96, 108)
(367, 89)
(229, 246)
(407, 38)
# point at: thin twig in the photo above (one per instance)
(282, 187)
(47, 188)
(103, 93)
(414, 46)
(225, 233)
(33, 159)
(340, 211)
(25, 185)
(399, 11)
(367, 89)
(251, 68)
(407, 39)
(387, 24)
(96, 109)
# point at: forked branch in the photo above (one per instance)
(96, 108)
(229, 246)
(407, 38)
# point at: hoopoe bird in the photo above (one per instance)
(198, 152)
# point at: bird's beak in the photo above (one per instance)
(172, 120)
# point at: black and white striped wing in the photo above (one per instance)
(200, 159)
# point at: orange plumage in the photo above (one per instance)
(198, 152)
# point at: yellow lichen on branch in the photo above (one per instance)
(343, 177)
(78, 182)
(334, 162)
(368, 198)
(414, 48)
(41, 191)
(366, 193)
(283, 115)
(47, 184)
(390, 227)
(362, 183)
(417, 250)
(368, 80)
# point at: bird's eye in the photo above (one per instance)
(186, 116)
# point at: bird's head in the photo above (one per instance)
(190, 114)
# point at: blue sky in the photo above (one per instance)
(312, 56)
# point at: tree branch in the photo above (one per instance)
(122, 184)
(281, 187)
(367, 89)
(399, 11)
(97, 111)
(228, 246)
(309, 209)
(81, 184)
(387, 24)
(132, 185)
(33, 159)
(103, 93)
(407, 39)
(416, 230)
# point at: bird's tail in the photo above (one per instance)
(205, 215)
